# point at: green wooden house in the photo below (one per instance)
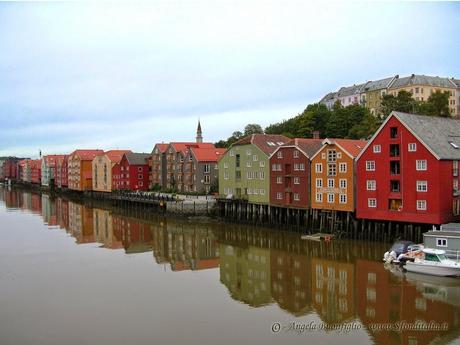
(244, 169)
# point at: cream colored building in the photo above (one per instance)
(422, 86)
(103, 165)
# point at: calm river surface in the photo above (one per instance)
(71, 274)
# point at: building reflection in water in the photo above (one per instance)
(340, 281)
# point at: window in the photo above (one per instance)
(343, 198)
(319, 197)
(422, 186)
(237, 162)
(207, 168)
(343, 183)
(318, 168)
(279, 179)
(273, 167)
(279, 196)
(302, 167)
(262, 175)
(330, 183)
(331, 169)
(248, 152)
(255, 158)
(441, 242)
(455, 185)
(279, 154)
(296, 166)
(377, 148)
(455, 168)
(394, 150)
(140, 176)
(343, 167)
(296, 153)
(395, 186)
(372, 202)
(319, 182)
(226, 165)
(393, 132)
(330, 198)
(371, 185)
(139, 169)
(296, 180)
(262, 164)
(331, 155)
(420, 165)
(225, 175)
(421, 205)
(395, 204)
(412, 147)
(248, 164)
(262, 191)
(370, 165)
(207, 179)
(249, 175)
(296, 196)
(395, 167)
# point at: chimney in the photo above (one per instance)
(315, 134)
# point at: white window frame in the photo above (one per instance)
(421, 165)
(342, 167)
(279, 196)
(296, 154)
(330, 183)
(422, 186)
(279, 180)
(441, 242)
(343, 198)
(343, 183)
(376, 148)
(330, 198)
(319, 197)
(296, 180)
(412, 147)
(370, 165)
(319, 183)
(371, 185)
(372, 202)
(319, 168)
(421, 205)
(255, 158)
(296, 196)
(279, 154)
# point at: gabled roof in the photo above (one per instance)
(380, 84)
(456, 82)
(352, 147)
(135, 158)
(440, 135)
(115, 156)
(207, 154)
(185, 146)
(416, 79)
(161, 147)
(329, 97)
(268, 143)
(87, 155)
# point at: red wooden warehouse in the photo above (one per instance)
(290, 173)
(132, 173)
(408, 171)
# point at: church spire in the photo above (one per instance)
(199, 136)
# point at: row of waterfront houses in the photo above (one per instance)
(408, 171)
(370, 94)
(176, 166)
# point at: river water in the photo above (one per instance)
(71, 274)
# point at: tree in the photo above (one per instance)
(436, 105)
(403, 102)
(253, 128)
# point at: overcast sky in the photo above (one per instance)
(80, 75)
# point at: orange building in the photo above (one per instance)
(80, 169)
(333, 174)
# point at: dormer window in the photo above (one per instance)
(454, 145)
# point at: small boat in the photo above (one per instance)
(434, 262)
(402, 251)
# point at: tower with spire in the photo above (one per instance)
(199, 136)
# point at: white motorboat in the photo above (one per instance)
(434, 262)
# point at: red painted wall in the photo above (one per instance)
(36, 171)
(287, 187)
(439, 176)
(138, 176)
(10, 169)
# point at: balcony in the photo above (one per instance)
(395, 168)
